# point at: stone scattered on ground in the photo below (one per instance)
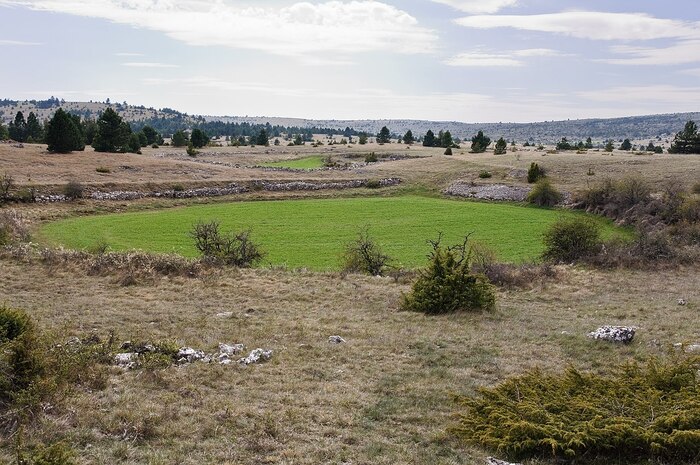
(130, 359)
(224, 315)
(126, 360)
(682, 302)
(494, 461)
(488, 191)
(336, 340)
(256, 356)
(189, 355)
(623, 334)
(693, 349)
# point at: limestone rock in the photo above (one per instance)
(189, 355)
(336, 340)
(493, 461)
(256, 356)
(126, 360)
(231, 349)
(623, 334)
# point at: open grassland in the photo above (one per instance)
(384, 397)
(312, 233)
(306, 163)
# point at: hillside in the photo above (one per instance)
(168, 120)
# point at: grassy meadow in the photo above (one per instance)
(312, 233)
(306, 163)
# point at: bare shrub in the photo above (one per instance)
(234, 249)
(364, 255)
(13, 228)
(7, 183)
(74, 190)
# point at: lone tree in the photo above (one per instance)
(113, 133)
(263, 138)
(480, 142)
(384, 136)
(446, 140)
(408, 138)
(362, 138)
(198, 138)
(501, 147)
(62, 134)
(686, 141)
(429, 139)
(180, 139)
(609, 147)
(18, 128)
(626, 145)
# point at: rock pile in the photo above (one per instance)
(488, 191)
(185, 355)
(623, 334)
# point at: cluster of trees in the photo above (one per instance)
(686, 141)
(443, 139)
(564, 144)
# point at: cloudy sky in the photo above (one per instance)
(464, 60)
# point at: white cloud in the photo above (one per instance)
(685, 51)
(17, 42)
(140, 64)
(128, 54)
(590, 25)
(299, 29)
(683, 97)
(478, 6)
(511, 58)
(483, 60)
(692, 72)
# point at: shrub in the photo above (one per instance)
(19, 363)
(7, 183)
(448, 285)
(55, 454)
(696, 188)
(448, 151)
(234, 249)
(191, 151)
(534, 173)
(371, 158)
(485, 174)
(12, 227)
(639, 412)
(73, 190)
(364, 255)
(102, 169)
(373, 184)
(571, 239)
(154, 146)
(544, 194)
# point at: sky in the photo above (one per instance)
(446, 60)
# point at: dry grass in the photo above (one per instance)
(384, 397)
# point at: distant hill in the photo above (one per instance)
(168, 120)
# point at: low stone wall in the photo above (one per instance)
(488, 191)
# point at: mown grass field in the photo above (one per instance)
(306, 163)
(312, 233)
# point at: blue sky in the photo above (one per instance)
(464, 60)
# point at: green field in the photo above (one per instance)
(306, 163)
(311, 233)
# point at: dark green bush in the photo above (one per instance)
(638, 412)
(544, 194)
(371, 158)
(234, 249)
(534, 173)
(448, 151)
(448, 284)
(364, 255)
(485, 174)
(373, 184)
(571, 239)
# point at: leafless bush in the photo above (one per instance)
(234, 249)
(364, 255)
(7, 183)
(13, 228)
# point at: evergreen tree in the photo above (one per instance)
(143, 140)
(564, 144)
(62, 134)
(501, 147)
(89, 129)
(152, 136)
(298, 140)
(429, 139)
(263, 138)
(362, 138)
(35, 133)
(589, 144)
(609, 147)
(446, 139)
(18, 128)
(180, 139)
(112, 134)
(134, 145)
(480, 142)
(408, 138)
(384, 136)
(3, 132)
(198, 138)
(626, 145)
(686, 141)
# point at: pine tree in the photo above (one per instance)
(18, 128)
(112, 133)
(480, 142)
(626, 145)
(429, 139)
(152, 136)
(180, 139)
(198, 138)
(35, 133)
(501, 147)
(408, 138)
(3, 132)
(686, 141)
(446, 139)
(384, 136)
(589, 144)
(609, 147)
(263, 139)
(362, 138)
(62, 134)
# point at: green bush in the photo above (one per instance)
(485, 174)
(571, 239)
(364, 255)
(544, 194)
(20, 365)
(639, 412)
(371, 158)
(448, 151)
(373, 184)
(235, 249)
(448, 285)
(102, 169)
(534, 173)
(55, 454)
(191, 151)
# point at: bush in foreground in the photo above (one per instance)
(571, 239)
(364, 255)
(448, 284)
(638, 412)
(234, 249)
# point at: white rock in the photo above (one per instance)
(125, 360)
(693, 348)
(623, 334)
(189, 355)
(256, 356)
(336, 340)
(224, 315)
(493, 461)
(682, 302)
(231, 349)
